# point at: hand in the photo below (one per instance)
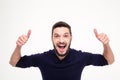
(23, 39)
(101, 37)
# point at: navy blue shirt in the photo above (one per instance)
(70, 68)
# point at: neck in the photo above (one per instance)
(61, 57)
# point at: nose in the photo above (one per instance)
(61, 39)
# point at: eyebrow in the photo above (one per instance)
(64, 33)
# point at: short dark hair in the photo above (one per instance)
(61, 24)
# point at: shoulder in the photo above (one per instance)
(75, 51)
(39, 55)
(45, 53)
(80, 53)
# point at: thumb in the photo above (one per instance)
(29, 33)
(95, 32)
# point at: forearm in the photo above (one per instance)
(15, 56)
(17, 52)
(108, 54)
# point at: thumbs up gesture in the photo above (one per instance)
(23, 39)
(101, 37)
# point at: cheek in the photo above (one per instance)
(68, 40)
(54, 41)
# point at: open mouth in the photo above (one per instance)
(61, 47)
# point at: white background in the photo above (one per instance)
(17, 16)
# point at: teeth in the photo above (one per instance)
(61, 46)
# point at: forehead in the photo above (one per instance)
(61, 30)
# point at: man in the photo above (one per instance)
(62, 62)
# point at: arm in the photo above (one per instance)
(16, 55)
(107, 52)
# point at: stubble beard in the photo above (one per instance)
(61, 55)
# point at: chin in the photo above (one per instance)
(63, 53)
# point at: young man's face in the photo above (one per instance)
(61, 39)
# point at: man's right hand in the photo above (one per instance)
(23, 39)
(17, 52)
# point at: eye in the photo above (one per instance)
(66, 36)
(56, 36)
